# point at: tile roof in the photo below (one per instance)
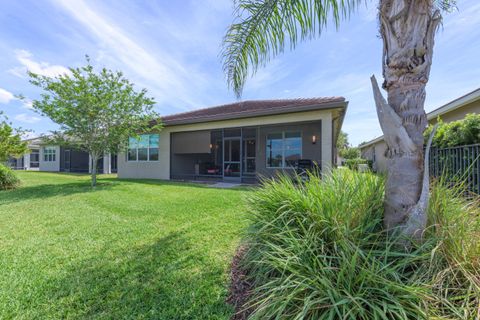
(251, 108)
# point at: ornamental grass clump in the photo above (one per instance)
(318, 250)
(8, 178)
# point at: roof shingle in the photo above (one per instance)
(251, 108)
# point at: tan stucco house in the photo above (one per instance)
(238, 142)
(457, 109)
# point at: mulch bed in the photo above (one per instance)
(240, 289)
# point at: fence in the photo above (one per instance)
(456, 164)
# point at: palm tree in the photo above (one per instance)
(407, 27)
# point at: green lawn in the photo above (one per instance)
(129, 249)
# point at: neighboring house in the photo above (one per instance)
(238, 142)
(455, 110)
(55, 158)
(29, 161)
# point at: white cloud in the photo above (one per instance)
(6, 96)
(161, 71)
(23, 117)
(28, 64)
(28, 104)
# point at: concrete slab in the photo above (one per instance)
(224, 185)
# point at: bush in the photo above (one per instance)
(317, 251)
(352, 164)
(456, 133)
(8, 178)
(349, 153)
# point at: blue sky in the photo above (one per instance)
(172, 49)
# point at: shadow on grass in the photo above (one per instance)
(166, 280)
(44, 191)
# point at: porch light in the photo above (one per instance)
(211, 146)
(314, 139)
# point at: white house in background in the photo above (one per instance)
(55, 158)
(29, 161)
(457, 109)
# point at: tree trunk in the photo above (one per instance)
(407, 28)
(94, 170)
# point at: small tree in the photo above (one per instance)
(350, 153)
(11, 144)
(342, 141)
(97, 112)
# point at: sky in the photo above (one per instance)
(172, 48)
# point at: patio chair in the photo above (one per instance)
(303, 168)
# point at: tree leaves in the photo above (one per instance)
(11, 144)
(96, 111)
(265, 27)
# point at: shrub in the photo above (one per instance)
(352, 164)
(456, 133)
(8, 178)
(350, 153)
(318, 251)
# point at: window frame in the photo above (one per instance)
(283, 133)
(148, 147)
(49, 154)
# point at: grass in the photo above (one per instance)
(318, 251)
(128, 250)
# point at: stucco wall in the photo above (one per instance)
(376, 153)
(50, 165)
(459, 113)
(161, 169)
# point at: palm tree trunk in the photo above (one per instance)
(407, 28)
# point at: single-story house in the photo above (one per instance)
(56, 158)
(457, 109)
(29, 161)
(238, 142)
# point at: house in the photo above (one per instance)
(29, 161)
(238, 142)
(55, 158)
(457, 109)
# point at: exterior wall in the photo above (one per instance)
(459, 113)
(376, 153)
(26, 161)
(161, 169)
(107, 163)
(47, 165)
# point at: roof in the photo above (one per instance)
(369, 143)
(253, 108)
(448, 107)
(34, 142)
(455, 104)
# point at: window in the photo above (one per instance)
(145, 148)
(283, 149)
(49, 154)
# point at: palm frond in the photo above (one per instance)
(263, 29)
(445, 5)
